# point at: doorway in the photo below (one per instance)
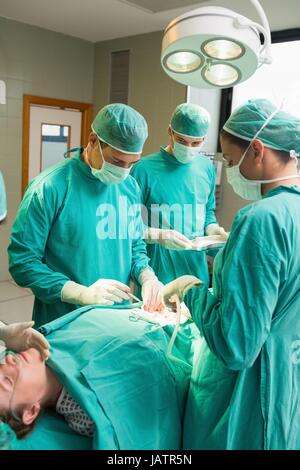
(50, 127)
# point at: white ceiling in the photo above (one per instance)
(154, 6)
(98, 20)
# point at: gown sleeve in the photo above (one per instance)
(236, 319)
(28, 241)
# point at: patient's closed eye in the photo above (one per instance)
(7, 383)
(9, 380)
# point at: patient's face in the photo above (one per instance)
(22, 380)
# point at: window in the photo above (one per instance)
(277, 82)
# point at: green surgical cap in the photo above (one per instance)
(281, 133)
(121, 127)
(190, 120)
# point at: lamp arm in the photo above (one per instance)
(264, 54)
(265, 23)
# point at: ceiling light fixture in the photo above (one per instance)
(214, 47)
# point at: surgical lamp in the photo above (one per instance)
(214, 47)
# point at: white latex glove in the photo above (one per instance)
(185, 311)
(21, 336)
(177, 288)
(215, 229)
(102, 292)
(150, 295)
(170, 239)
(151, 288)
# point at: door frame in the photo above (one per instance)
(85, 108)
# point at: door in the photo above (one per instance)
(50, 127)
(51, 132)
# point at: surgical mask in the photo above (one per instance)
(251, 189)
(185, 154)
(109, 173)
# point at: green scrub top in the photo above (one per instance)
(245, 388)
(65, 230)
(117, 370)
(189, 190)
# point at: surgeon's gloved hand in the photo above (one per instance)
(21, 336)
(215, 229)
(169, 239)
(184, 310)
(151, 288)
(178, 288)
(102, 292)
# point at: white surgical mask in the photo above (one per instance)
(109, 173)
(251, 189)
(185, 154)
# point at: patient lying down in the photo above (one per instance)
(108, 375)
(27, 385)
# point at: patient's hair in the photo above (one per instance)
(21, 430)
(103, 144)
(243, 144)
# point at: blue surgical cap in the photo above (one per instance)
(190, 120)
(121, 127)
(281, 133)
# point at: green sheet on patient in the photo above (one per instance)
(118, 372)
(53, 433)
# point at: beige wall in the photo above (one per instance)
(37, 62)
(151, 91)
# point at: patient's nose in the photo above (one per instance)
(11, 360)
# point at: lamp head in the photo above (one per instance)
(211, 47)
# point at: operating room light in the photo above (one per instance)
(182, 62)
(223, 49)
(221, 75)
(214, 47)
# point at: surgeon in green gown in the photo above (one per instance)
(245, 386)
(77, 238)
(113, 367)
(178, 194)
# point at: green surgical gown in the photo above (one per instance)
(71, 226)
(189, 191)
(245, 388)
